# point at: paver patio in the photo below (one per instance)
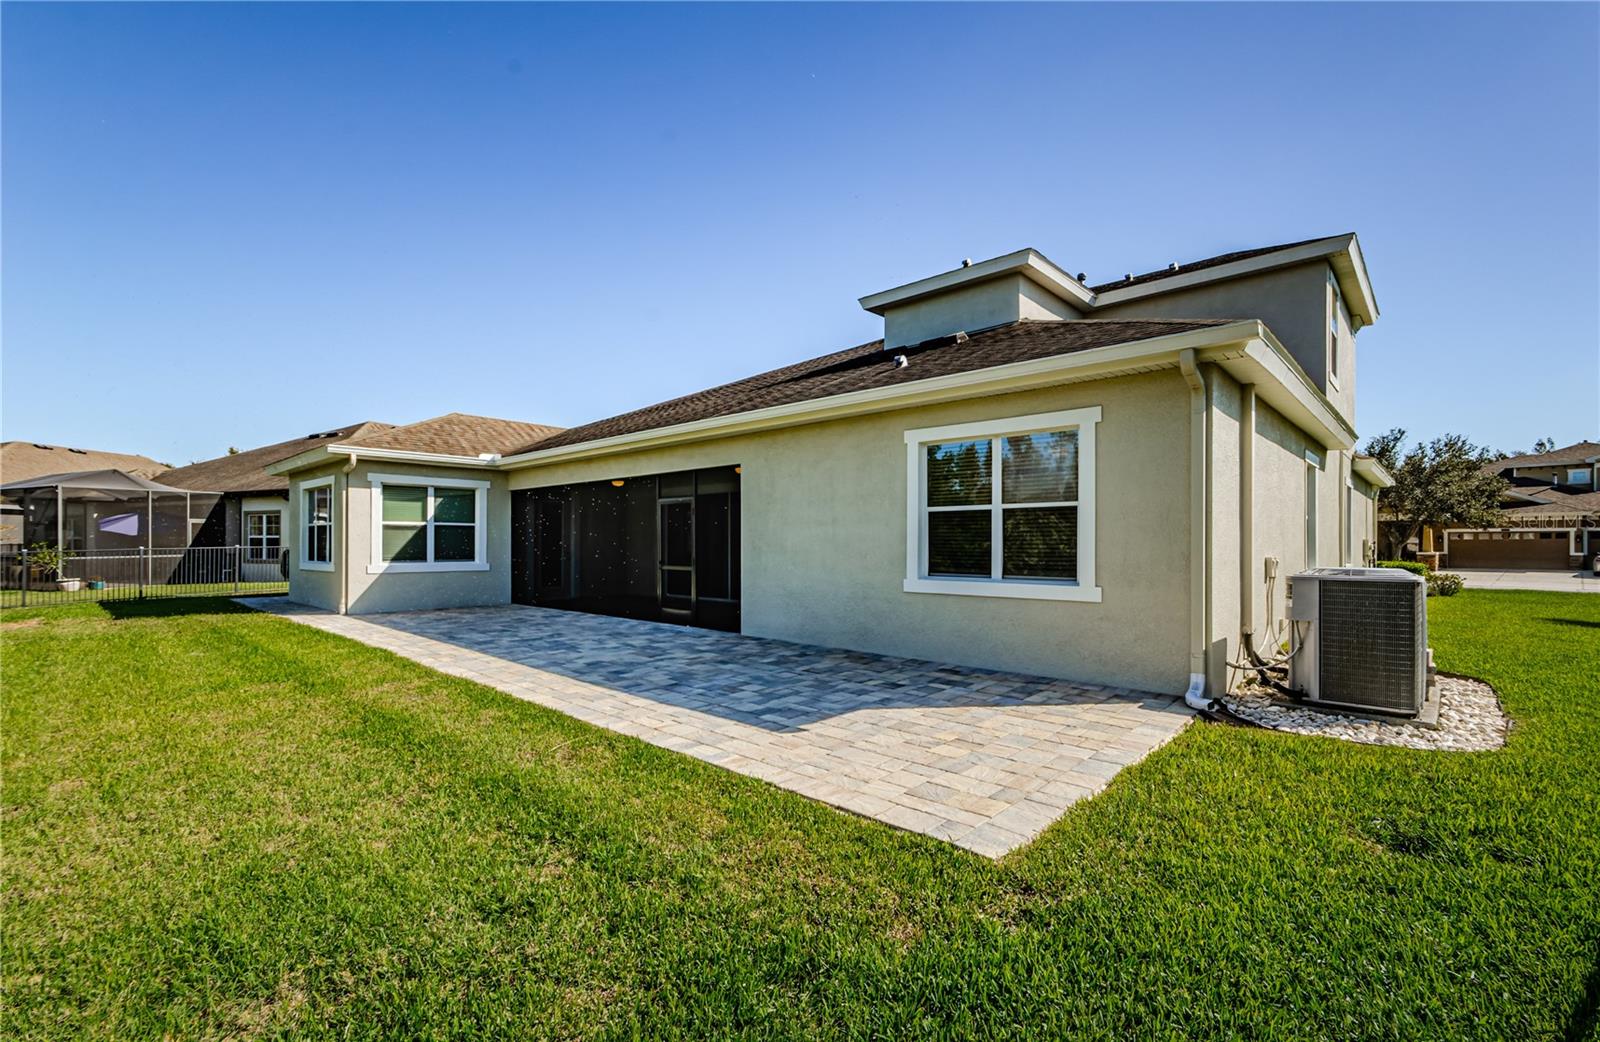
(981, 758)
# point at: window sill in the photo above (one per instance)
(1021, 590)
(316, 566)
(428, 566)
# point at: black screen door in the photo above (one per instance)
(676, 537)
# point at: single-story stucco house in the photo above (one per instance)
(1107, 483)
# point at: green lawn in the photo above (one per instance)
(221, 824)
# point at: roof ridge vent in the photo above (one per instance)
(1173, 266)
(961, 336)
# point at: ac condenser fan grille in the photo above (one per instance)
(1368, 641)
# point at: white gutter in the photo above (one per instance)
(1372, 471)
(312, 457)
(1199, 554)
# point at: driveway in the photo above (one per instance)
(983, 759)
(1528, 579)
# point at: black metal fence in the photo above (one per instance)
(29, 577)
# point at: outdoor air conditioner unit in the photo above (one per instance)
(1360, 638)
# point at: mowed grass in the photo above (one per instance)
(220, 824)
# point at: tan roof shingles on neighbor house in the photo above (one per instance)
(1576, 453)
(244, 471)
(869, 366)
(21, 460)
(456, 434)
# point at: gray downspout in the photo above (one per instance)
(1199, 531)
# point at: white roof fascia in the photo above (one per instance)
(1345, 259)
(433, 459)
(1282, 384)
(1029, 262)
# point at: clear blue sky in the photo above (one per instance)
(229, 225)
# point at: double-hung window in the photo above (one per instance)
(428, 524)
(263, 535)
(316, 524)
(1003, 508)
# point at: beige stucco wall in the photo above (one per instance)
(1009, 298)
(308, 586)
(1293, 302)
(397, 591)
(824, 538)
(1279, 519)
(1225, 458)
(1364, 513)
(823, 535)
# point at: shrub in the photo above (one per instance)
(1444, 584)
(1414, 567)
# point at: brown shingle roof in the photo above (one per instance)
(243, 471)
(868, 366)
(1577, 452)
(1199, 265)
(21, 460)
(1558, 504)
(457, 434)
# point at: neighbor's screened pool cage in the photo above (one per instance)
(100, 510)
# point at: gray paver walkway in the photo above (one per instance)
(981, 758)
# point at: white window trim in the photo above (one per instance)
(480, 535)
(917, 579)
(305, 525)
(249, 546)
(1586, 473)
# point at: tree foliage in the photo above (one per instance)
(1443, 482)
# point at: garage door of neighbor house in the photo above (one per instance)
(1528, 549)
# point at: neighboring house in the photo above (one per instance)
(21, 460)
(1550, 512)
(1104, 482)
(250, 512)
